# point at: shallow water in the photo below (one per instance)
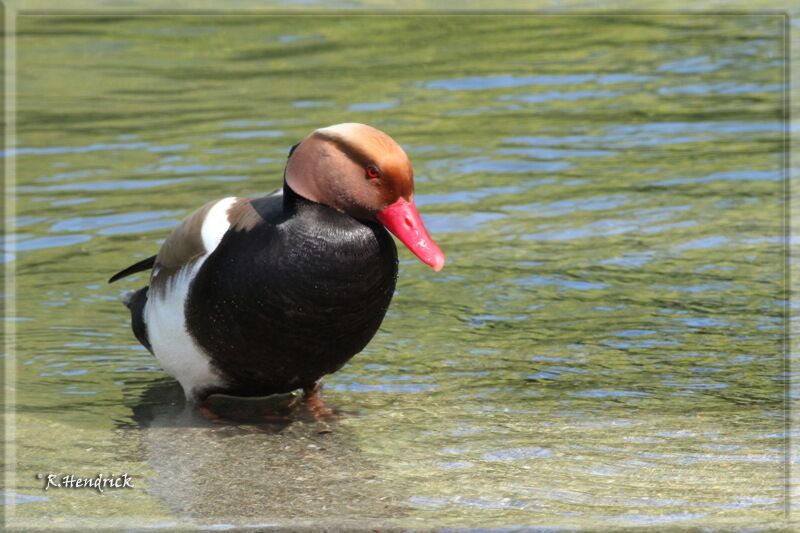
(603, 348)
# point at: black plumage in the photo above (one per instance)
(288, 299)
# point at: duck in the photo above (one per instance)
(260, 296)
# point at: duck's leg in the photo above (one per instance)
(312, 398)
(311, 403)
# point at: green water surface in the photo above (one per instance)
(602, 350)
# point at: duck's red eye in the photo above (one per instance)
(373, 172)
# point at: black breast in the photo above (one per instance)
(292, 298)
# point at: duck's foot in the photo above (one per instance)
(312, 403)
(309, 405)
(208, 413)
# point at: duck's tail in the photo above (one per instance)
(144, 264)
(135, 301)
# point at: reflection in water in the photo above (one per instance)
(259, 462)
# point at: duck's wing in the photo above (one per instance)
(187, 242)
(197, 235)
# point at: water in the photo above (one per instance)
(603, 348)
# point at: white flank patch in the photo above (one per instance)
(216, 223)
(165, 315)
(173, 347)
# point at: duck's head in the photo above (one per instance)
(361, 171)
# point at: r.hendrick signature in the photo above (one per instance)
(98, 483)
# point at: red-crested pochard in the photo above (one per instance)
(258, 296)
